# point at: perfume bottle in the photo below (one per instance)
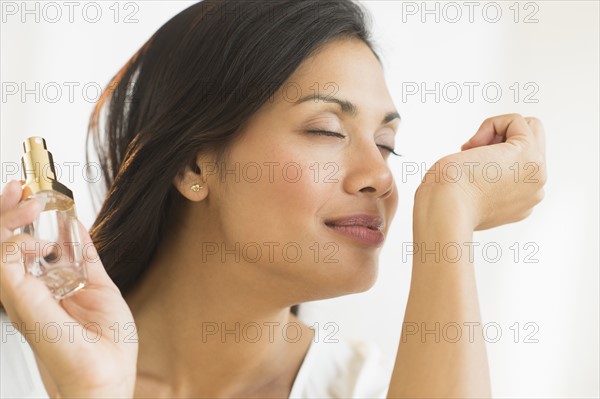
(58, 256)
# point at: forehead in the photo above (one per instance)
(344, 68)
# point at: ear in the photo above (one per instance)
(190, 181)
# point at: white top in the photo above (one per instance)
(344, 369)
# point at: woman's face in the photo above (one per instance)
(282, 183)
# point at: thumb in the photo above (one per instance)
(498, 129)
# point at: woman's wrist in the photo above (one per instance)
(443, 210)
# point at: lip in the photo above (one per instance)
(364, 228)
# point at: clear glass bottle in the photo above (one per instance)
(58, 257)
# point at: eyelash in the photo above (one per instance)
(335, 134)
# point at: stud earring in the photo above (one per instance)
(196, 187)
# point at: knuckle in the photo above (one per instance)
(539, 196)
(540, 157)
(512, 116)
(520, 216)
(543, 177)
(536, 125)
(526, 214)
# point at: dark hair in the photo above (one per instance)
(189, 89)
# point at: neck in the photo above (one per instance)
(210, 330)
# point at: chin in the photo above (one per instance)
(346, 279)
(364, 282)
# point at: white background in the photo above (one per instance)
(555, 60)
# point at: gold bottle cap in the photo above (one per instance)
(38, 169)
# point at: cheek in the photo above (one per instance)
(296, 196)
(276, 198)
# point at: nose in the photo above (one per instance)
(368, 172)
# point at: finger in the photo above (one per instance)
(25, 213)
(537, 128)
(495, 140)
(17, 249)
(10, 262)
(498, 139)
(30, 303)
(11, 194)
(512, 127)
(18, 287)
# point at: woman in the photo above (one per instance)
(245, 160)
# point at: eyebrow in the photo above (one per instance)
(347, 107)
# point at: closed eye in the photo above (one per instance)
(335, 134)
(326, 133)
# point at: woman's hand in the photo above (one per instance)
(500, 171)
(86, 344)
